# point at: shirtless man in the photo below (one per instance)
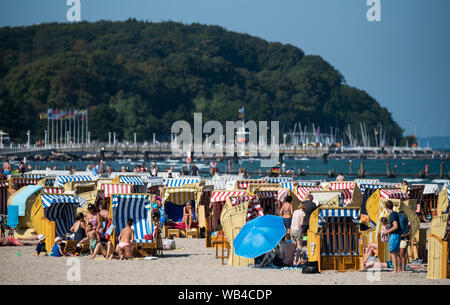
(7, 168)
(286, 212)
(126, 240)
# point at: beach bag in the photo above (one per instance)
(310, 268)
(169, 244)
(403, 223)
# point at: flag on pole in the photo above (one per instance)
(43, 115)
(84, 115)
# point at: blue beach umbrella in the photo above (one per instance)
(259, 236)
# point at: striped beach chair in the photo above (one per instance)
(174, 200)
(334, 239)
(115, 188)
(303, 191)
(246, 183)
(61, 180)
(53, 190)
(138, 185)
(218, 200)
(278, 179)
(53, 215)
(21, 182)
(136, 207)
(254, 207)
(177, 182)
(351, 195)
(430, 199)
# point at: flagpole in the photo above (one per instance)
(61, 136)
(70, 126)
(65, 127)
(87, 129)
(78, 129)
(53, 129)
(82, 127)
(48, 129)
(57, 128)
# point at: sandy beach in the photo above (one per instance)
(190, 264)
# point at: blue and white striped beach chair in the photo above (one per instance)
(137, 208)
(334, 239)
(137, 182)
(61, 209)
(61, 180)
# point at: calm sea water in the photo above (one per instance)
(372, 167)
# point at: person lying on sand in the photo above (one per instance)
(126, 240)
(11, 241)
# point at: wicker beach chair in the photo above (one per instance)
(53, 215)
(334, 240)
(136, 207)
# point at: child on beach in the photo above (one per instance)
(40, 247)
(57, 248)
(92, 235)
(126, 240)
(384, 229)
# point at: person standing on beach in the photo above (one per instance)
(298, 218)
(286, 212)
(194, 170)
(394, 236)
(310, 207)
(340, 177)
(405, 227)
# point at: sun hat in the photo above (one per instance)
(41, 237)
(58, 239)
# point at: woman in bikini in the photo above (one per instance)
(95, 220)
(286, 212)
(188, 215)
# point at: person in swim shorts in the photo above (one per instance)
(126, 241)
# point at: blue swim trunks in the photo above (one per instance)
(394, 242)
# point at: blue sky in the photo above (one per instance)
(402, 61)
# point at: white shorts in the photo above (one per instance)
(404, 244)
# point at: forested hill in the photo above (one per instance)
(141, 77)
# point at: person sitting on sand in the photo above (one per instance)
(92, 236)
(79, 228)
(126, 241)
(286, 254)
(105, 247)
(384, 237)
(40, 247)
(57, 248)
(188, 215)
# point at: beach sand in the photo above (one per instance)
(193, 264)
